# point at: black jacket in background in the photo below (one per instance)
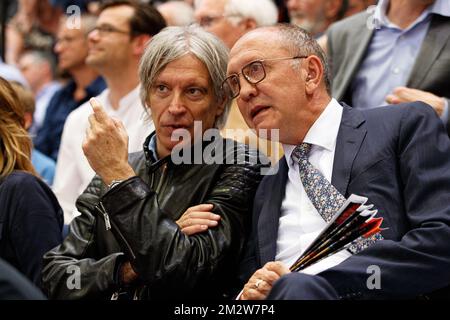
(30, 223)
(14, 286)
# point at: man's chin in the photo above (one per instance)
(265, 131)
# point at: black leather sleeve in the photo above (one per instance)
(162, 255)
(72, 270)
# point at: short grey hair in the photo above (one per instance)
(264, 12)
(173, 43)
(40, 56)
(300, 43)
(181, 13)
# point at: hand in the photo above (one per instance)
(106, 146)
(261, 282)
(127, 274)
(403, 94)
(197, 219)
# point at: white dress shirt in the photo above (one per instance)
(300, 223)
(73, 172)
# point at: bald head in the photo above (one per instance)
(230, 19)
(289, 39)
(279, 77)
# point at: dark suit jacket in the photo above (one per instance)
(398, 157)
(349, 39)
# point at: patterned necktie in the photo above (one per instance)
(324, 196)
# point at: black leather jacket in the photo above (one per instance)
(142, 212)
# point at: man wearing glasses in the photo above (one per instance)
(72, 49)
(115, 47)
(396, 157)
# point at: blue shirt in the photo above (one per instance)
(48, 138)
(43, 98)
(44, 166)
(391, 55)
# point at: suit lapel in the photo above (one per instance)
(360, 41)
(274, 191)
(433, 44)
(350, 137)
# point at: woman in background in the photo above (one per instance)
(30, 216)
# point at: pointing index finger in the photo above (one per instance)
(99, 112)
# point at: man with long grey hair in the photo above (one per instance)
(150, 228)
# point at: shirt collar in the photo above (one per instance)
(323, 133)
(441, 7)
(152, 148)
(127, 101)
(130, 97)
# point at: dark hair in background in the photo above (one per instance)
(146, 19)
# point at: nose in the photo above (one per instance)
(248, 90)
(93, 35)
(176, 106)
(57, 48)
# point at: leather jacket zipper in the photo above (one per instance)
(110, 225)
(102, 210)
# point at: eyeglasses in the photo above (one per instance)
(207, 21)
(68, 40)
(105, 29)
(254, 73)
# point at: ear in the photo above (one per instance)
(332, 8)
(313, 75)
(248, 24)
(139, 44)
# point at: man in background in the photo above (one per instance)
(71, 48)
(39, 68)
(399, 53)
(315, 16)
(116, 45)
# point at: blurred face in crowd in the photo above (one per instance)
(36, 73)
(110, 43)
(210, 15)
(313, 15)
(71, 47)
(181, 94)
(266, 105)
(355, 6)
